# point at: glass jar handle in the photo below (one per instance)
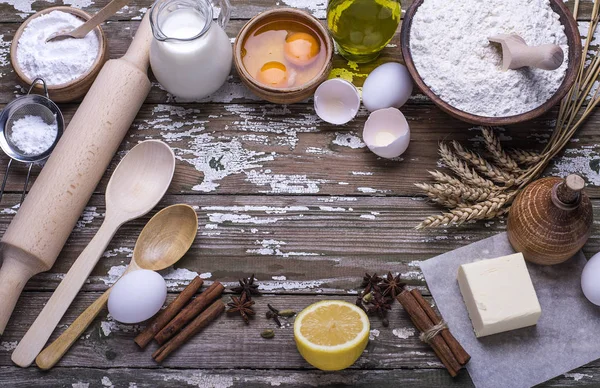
(225, 11)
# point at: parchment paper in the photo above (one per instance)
(567, 335)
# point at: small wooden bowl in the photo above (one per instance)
(73, 89)
(283, 95)
(574, 41)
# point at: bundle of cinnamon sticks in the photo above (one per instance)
(434, 331)
(181, 320)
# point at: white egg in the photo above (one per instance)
(137, 296)
(336, 101)
(387, 133)
(388, 86)
(590, 280)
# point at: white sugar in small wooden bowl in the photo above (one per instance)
(73, 89)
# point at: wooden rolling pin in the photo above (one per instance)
(43, 223)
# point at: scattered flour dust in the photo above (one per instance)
(4, 51)
(32, 135)
(469, 76)
(56, 62)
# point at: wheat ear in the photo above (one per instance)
(458, 193)
(461, 168)
(524, 158)
(491, 208)
(501, 158)
(483, 166)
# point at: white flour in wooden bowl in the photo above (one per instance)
(453, 56)
(57, 62)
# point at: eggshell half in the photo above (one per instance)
(336, 101)
(137, 296)
(388, 86)
(387, 121)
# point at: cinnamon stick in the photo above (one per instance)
(189, 312)
(459, 352)
(423, 323)
(161, 320)
(201, 321)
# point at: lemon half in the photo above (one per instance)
(332, 334)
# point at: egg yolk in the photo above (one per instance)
(301, 48)
(273, 74)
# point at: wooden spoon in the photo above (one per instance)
(516, 53)
(163, 241)
(81, 31)
(136, 186)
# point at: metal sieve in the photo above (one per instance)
(28, 105)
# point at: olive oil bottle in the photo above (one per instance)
(362, 28)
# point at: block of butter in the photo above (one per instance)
(499, 294)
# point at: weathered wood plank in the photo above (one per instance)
(292, 244)
(16, 11)
(228, 378)
(227, 343)
(270, 149)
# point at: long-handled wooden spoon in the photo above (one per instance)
(163, 241)
(136, 186)
(81, 31)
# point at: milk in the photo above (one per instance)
(189, 67)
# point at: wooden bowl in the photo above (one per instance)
(73, 89)
(574, 41)
(283, 95)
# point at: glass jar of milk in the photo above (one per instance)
(190, 54)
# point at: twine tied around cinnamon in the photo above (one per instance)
(428, 335)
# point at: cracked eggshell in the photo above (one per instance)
(387, 133)
(336, 101)
(388, 86)
(589, 280)
(137, 296)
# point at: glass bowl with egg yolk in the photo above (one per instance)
(283, 54)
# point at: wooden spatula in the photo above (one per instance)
(517, 54)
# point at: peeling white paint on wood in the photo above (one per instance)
(404, 332)
(348, 139)
(577, 376)
(201, 380)
(373, 334)
(88, 216)
(584, 161)
(8, 345)
(273, 248)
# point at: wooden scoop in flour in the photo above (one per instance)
(517, 54)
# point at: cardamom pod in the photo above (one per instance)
(368, 298)
(287, 313)
(268, 333)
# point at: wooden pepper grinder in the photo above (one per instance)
(550, 220)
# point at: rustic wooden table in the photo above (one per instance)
(300, 203)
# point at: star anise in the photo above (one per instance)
(392, 286)
(241, 305)
(380, 306)
(370, 283)
(247, 287)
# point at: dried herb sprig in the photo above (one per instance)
(469, 196)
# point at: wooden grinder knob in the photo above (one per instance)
(550, 220)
